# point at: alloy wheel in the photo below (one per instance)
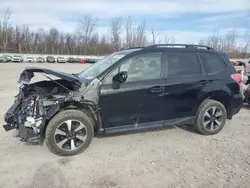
(70, 135)
(213, 118)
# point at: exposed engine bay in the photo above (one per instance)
(37, 102)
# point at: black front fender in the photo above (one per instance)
(54, 109)
(49, 114)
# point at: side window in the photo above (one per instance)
(212, 63)
(140, 67)
(183, 64)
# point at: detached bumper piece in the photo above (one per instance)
(8, 127)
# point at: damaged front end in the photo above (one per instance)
(36, 103)
(26, 115)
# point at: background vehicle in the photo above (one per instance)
(30, 59)
(71, 60)
(17, 59)
(238, 63)
(247, 94)
(81, 60)
(239, 66)
(3, 59)
(61, 60)
(50, 59)
(91, 60)
(134, 89)
(241, 63)
(6, 58)
(40, 60)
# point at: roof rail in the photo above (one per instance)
(179, 45)
(134, 48)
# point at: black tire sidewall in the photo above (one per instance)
(60, 118)
(204, 107)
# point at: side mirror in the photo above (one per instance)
(119, 78)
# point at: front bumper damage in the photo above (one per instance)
(25, 115)
(37, 103)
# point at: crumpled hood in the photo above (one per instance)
(28, 74)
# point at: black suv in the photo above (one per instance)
(133, 89)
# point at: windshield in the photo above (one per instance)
(100, 66)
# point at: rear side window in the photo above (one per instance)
(183, 64)
(212, 63)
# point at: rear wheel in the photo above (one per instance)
(69, 133)
(211, 117)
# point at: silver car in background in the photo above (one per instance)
(17, 59)
(29, 59)
(61, 60)
(247, 69)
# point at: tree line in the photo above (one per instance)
(87, 41)
(229, 43)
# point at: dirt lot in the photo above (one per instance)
(174, 157)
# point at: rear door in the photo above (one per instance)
(140, 99)
(185, 81)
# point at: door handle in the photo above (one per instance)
(156, 89)
(203, 82)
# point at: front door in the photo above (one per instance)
(138, 100)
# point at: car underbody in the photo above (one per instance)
(37, 103)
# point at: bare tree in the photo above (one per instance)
(215, 40)
(168, 39)
(5, 29)
(246, 47)
(154, 34)
(128, 32)
(228, 42)
(140, 37)
(116, 27)
(87, 27)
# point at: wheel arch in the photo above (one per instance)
(87, 107)
(222, 97)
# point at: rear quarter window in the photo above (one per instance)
(212, 62)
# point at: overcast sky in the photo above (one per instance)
(186, 20)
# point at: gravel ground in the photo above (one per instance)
(173, 157)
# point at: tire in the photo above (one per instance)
(202, 117)
(58, 121)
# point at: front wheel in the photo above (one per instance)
(70, 132)
(211, 117)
